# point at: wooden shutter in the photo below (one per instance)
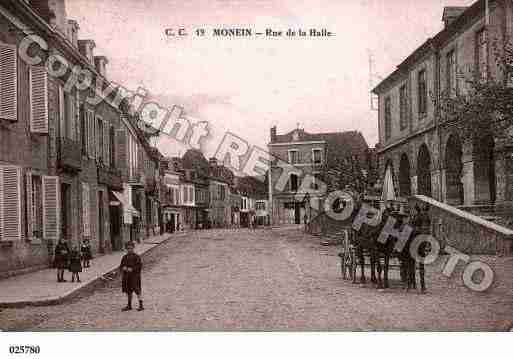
(29, 204)
(121, 149)
(51, 207)
(8, 82)
(38, 99)
(106, 144)
(10, 203)
(86, 209)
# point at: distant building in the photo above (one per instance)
(301, 160)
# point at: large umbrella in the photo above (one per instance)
(388, 193)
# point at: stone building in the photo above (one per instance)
(426, 153)
(63, 159)
(220, 183)
(300, 160)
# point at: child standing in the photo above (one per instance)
(85, 249)
(61, 259)
(75, 266)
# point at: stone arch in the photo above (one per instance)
(404, 176)
(424, 171)
(484, 168)
(454, 193)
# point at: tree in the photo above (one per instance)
(487, 105)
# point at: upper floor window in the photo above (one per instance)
(388, 118)
(403, 107)
(481, 55)
(317, 156)
(293, 157)
(451, 73)
(67, 114)
(422, 92)
(260, 206)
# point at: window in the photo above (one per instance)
(481, 55)
(222, 193)
(293, 157)
(83, 130)
(422, 92)
(293, 182)
(99, 137)
(317, 156)
(403, 108)
(112, 147)
(260, 206)
(388, 118)
(67, 114)
(451, 73)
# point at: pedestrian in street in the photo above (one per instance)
(61, 259)
(75, 264)
(85, 249)
(131, 266)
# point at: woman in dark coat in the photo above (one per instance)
(61, 259)
(130, 267)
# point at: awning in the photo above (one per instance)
(127, 206)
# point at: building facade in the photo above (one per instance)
(300, 160)
(425, 152)
(63, 158)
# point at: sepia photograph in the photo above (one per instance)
(236, 166)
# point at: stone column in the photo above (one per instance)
(467, 173)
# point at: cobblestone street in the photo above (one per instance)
(279, 279)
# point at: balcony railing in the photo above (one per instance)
(110, 177)
(70, 154)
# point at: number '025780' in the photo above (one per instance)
(24, 349)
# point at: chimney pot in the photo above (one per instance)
(273, 134)
(100, 62)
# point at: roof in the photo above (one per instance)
(453, 11)
(462, 15)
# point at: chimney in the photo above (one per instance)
(73, 32)
(273, 134)
(100, 62)
(451, 13)
(58, 7)
(86, 48)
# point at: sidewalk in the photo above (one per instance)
(41, 287)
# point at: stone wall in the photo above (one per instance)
(464, 231)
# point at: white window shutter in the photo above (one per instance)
(10, 202)
(86, 209)
(38, 99)
(51, 207)
(8, 82)
(30, 206)
(38, 82)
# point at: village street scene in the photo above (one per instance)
(126, 206)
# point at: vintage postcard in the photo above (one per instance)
(255, 165)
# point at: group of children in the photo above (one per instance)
(73, 260)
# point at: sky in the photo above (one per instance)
(247, 85)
